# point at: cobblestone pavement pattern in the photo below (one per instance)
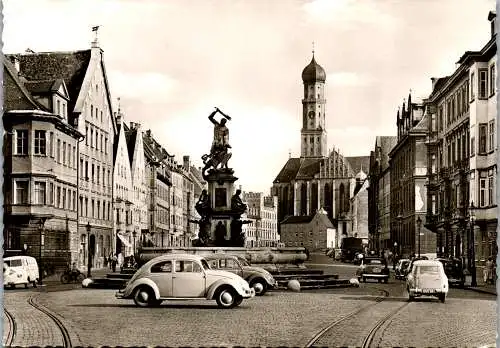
(95, 318)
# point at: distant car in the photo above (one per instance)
(184, 276)
(373, 268)
(400, 269)
(454, 271)
(258, 278)
(427, 278)
(20, 270)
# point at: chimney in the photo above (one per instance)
(187, 164)
(118, 119)
(492, 17)
(148, 133)
(15, 61)
(433, 80)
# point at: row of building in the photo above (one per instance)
(80, 183)
(432, 187)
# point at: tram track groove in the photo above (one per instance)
(326, 329)
(11, 335)
(64, 332)
(371, 335)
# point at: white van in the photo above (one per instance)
(20, 270)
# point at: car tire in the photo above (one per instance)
(238, 301)
(65, 279)
(26, 284)
(80, 278)
(144, 296)
(364, 279)
(442, 298)
(260, 286)
(226, 297)
(410, 296)
(386, 280)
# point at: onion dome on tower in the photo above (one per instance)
(313, 72)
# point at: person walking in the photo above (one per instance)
(488, 271)
(114, 261)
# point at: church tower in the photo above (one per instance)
(313, 133)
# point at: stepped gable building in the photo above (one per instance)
(89, 110)
(379, 190)
(318, 178)
(40, 168)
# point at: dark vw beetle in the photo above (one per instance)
(258, 278)
(373, 268)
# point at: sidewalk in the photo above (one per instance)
(481, 285)
(95, 273)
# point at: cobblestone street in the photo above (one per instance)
(95, 318)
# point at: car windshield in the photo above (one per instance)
(13, 263)
(205, 264)
(428, 269)
(373, 262)
(405, 263)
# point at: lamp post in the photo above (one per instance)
(419, 225)
(472, 220)
(42, 241)
(162, 233)
(89, 261)
(134, 234)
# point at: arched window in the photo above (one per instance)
(285, 209)
(341, 197)
(303, 199)
(327, 203)
(314, 197)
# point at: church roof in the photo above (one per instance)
(359, 162)
(308, 168)
(313, 72)
(289, 171)
(385, 143)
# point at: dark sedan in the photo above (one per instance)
(373, 268)
(453, 269)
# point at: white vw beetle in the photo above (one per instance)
(427, 278)
(184, 276)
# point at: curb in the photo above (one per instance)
(484, 291)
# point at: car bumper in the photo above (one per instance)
(120, 294)
(249, 293)
(375, 275)
(427, 292)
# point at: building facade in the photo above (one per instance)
(408, 172)
(379, 194)
(359, 207)
(40, 167)
(312, 232)
(319, 179)
(263, 214)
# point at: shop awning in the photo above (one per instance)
(124, 240)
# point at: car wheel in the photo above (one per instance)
(442, 297)
(34, 283)
(226, 297)
(364, 280)
(144, 297)
(27, 283)
(80, 278)
(410, 296)
(386, 280)
(238, 301)
(260, 286)
(65, 279)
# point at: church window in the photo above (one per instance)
(311, 140)
(317, 140)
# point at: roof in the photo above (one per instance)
(313, 72)
(130, 137)
(16, 96)
(43, 86)
(69, 66)
(385, 143)
(309, 167)
(359, 162)
(289, 171)
(297, 219)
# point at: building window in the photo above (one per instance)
(21, 142)
(51, 194)
(91, 137)
(21, 191)
(86, 135)
(483, 83)
(40, 192)
(491, 135)
(87, 170)
(92, 172)
(492, 80)
(52, 144)
(58, 197)
(40, 142)
(433, 204)
(491, 188)
(64, 152)
(433, 164)
(472, 146)
(472, 90)
(482, 138)
(482, 189)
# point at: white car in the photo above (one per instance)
(184, 276)
(20, 270)
(427, 278)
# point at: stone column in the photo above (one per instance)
(296, 200)
(308, 194)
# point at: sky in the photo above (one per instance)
(172, 61)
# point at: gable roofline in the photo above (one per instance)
(13, 74)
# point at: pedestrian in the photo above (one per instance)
(488, 271)
(114, 261)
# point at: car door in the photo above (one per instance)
(161, 274)
(188, 279)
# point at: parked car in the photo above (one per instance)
(258, 278)
(373, 268)
(454, 271)
(20, 270)
(427, 278)
(400, 269)
(184, 276)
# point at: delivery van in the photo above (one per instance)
(20, 270)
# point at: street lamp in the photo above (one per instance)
(134, 234)
(472, 220)
(42, 240)
(89, 261)
(419, 225)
